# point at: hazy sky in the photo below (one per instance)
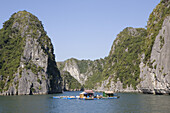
(83, 29)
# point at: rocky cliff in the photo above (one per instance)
(69, 82)
(147, 70)
(27, 62)
(155, 72)
(81, 70)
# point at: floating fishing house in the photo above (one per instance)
(87, 94)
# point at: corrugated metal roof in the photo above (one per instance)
(88, 91)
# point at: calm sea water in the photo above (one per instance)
(128, 102)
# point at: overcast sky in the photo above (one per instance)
(83, 29)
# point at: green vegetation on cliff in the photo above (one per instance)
(21, 26)
(97, 76)
(124, 58)
(69, 81)
(87, 68)
(11, 48)
(155, 22)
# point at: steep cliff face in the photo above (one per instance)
(156, 76)
(71, 66)
(81, 70)
(121, 71)
(27, 64)
(155, 62)
(69, 82)
(147, 72)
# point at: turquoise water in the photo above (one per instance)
(128, 102)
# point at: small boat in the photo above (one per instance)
(87, 95)
(109, 95)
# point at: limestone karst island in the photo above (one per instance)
(137, 67)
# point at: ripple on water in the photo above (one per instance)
(128, 102)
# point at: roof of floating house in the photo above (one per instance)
(107, 92)
(88, 91)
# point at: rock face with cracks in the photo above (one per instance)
(156, 78)
(33, 70)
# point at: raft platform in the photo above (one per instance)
(78, 97)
